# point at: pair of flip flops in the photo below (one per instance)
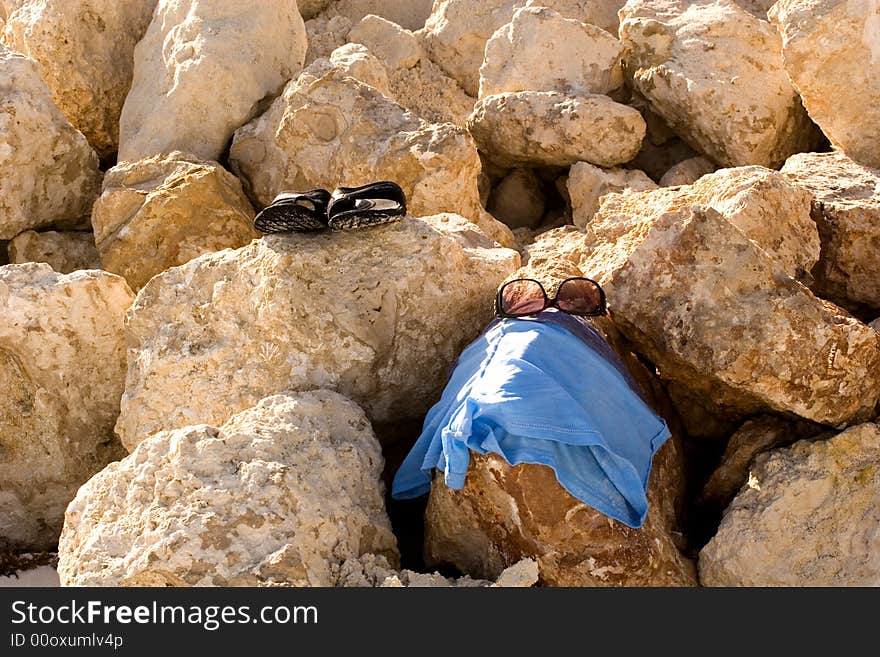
(346, 208)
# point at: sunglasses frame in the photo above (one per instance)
(548, 302)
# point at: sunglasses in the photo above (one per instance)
(526, 296)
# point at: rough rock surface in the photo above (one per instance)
(64, 251)
(208, 64)
(372, 570)
(84, 49)
(601, 13)
(846, 207)
(839, 87)
(714, 313)
(554, 129)
(324, 35)
(355, 60)
(397, 47)
(456, 33)
(378, 314)
(539, 50)
(587, 184)
(165, 210)
(62, 372)
(48, 172)
(714, 72)
(410, 14)
(281, 494)
(763, 204)
(687, 171)
(809, 516)
(518, 200)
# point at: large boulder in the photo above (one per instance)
(65, 251)
(48, 172)
(830, 49)
(809, 516)
(716, 314)
(378, 314)
(846, 207)
(587, 184)
(554, 129)
(207, 64)
(62, 372)
(539, 50)
(165, 210)
(763, 204)
(280, 494)
(714, 72)
(85, 50)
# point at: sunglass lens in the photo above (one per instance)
(578, 296)
(522, 297)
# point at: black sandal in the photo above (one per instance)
(294, 212)
(367, 205)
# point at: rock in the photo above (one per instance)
(208, 64)
(280, 494)
(324, 35)
(587, 184)
(311, 8)
(397, 47)
(371, 570)
(846, 207)
(518, 200)
(539, 50)
(714, 313)
(714, 72)
(84, 49)
(758, 8)
(763, 204)
(62, 372)
(808, 517)
(601, 13)
(163, 211)
(875, 325)
(830, 49)
(355, 60)
(378, 314)
(687, 171)
(456, 33)
(554, 129)
(48, 172)
(65, 251)
(411, 14)
(656, 160)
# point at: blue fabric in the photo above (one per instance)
(547, 391)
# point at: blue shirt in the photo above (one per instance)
(547, 391)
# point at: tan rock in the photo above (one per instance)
(714, 312)
(714, 72)
(84, 49)
(163, 211)
(378, 314)
(356, 60)
(411, 14)
(281, 494)
(555, 129)
(539, 50)
(875, 325)
(370, 570)
(62, 372)
(397, 47)
(518, 200)
(65, 251)
(48, 172)
(758, 8)
(809, 516)
(601, 13)
(311, 8)
(846, 207)
(208, 64)
(324, 35)
(587, 184)
(831, 50)
(687, 171)
(763, 204)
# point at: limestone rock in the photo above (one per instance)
(714, 312)
(397, 47)
(714, 72)
(311, 8)
(378, 314)
(456, 33)
(208, 64)
(48, 172)
(356, 60)
(280, 494)
(763, 204)
(411, 14)
(758, 8)
(518, 200)
(555, 129)
(370, 570)
(809, 516)
(875, 325)
(587, 184)
(324, 35)
(539, 50)
(687, 171)
(65, 251)
(84, 49)
(163, 211)
(601, 13)
(846, 207)
(831, 48)
(62, 372)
